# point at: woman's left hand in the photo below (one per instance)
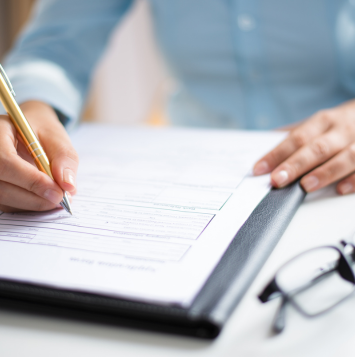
(323, 147)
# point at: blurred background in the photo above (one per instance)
(130, 84)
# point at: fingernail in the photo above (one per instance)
(310, 183)
(69, 177)
(261, 167)
(281, 177)
(53, 196)
(346, 188)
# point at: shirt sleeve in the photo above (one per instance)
(54, 57)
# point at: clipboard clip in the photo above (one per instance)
(7, 80)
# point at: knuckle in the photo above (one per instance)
(299, 165)
(70, 153)
(299, 138)
(326, 116)
(295, 168)
(330, 172)
(36, 183)
(74, 156)
(320, 148)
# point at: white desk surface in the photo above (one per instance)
(323, 218)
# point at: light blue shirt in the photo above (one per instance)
(251, 64)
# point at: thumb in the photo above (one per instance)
(56, 143)
(62, 156)
(64, 164)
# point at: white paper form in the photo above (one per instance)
(155, 211)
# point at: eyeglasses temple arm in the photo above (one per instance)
(280, 318)
(270, 292)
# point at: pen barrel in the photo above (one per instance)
(24, 129)
(40, 157)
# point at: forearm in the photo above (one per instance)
(54, 57)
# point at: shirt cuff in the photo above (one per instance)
(47, 82)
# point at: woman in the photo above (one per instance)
(246, 64)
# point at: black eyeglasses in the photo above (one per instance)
(313, 282)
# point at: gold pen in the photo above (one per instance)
(7, 97)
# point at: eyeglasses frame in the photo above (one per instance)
(272, 290)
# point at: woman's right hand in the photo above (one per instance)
(22, 185)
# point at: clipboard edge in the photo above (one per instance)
(208, 313)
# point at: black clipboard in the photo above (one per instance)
(212, 307)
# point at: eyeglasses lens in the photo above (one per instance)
(313, 281)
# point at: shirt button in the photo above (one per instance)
(245, 22)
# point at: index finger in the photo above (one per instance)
(297, 138)
(19, 172)
(56, 143)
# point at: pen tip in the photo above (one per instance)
(66, 203)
